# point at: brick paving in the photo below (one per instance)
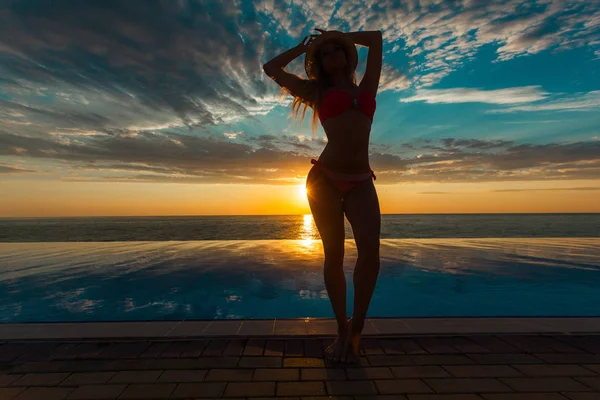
(478, 367)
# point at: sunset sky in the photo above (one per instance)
(162, 107)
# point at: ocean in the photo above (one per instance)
(290, 227)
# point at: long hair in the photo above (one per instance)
(315, 88)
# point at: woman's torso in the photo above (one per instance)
(347, 149)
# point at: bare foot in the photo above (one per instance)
(352, 343)
(335, 350)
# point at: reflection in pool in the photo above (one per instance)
(110, 281)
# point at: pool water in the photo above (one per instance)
(224, 279)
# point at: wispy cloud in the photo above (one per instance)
(525, 94)
(578, 102)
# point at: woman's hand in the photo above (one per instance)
(306, 42)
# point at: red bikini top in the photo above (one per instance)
(336, 101)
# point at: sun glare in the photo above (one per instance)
(302, 193)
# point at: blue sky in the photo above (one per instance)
(173, 91)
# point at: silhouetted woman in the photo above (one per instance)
(341, 180)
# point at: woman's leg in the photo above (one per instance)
(361, 206)
(326, 207)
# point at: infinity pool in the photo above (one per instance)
(174, 280)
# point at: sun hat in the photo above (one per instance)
(310, 59)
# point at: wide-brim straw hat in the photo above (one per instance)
(310, 60)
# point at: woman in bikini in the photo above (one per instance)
(341, 180)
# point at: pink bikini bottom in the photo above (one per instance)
(343, 182)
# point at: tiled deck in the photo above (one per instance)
(294, 327)
(442, 361)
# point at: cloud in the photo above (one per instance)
(577, 102)
(525, 94)
(284, 159)
(575, 188)
(11, 169)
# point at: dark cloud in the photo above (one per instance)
(192, 62)
(175, 157)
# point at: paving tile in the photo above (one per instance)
(371, 346)
(481, 371)
(524, 396)
(290, 327)
(189, 390)
(323, 374)
(235, 347)
(554, 370)
(6, 380)
(216, 362)
(274, 348)
(96, 392)
(260, 362)
(135, 376)
(392, 360)
(182, 376)
(257, 328)
(435, 345)
(563, 358)
(505, 358)
(148, 391)
(87, 378)
(185, 349)
(313, 348)
(493, 344)
(419, 371)
(301, 389)
(328, 397)
(254, 347)
(554, 384)
(126, 350)
(390, 326)
(188, 328)
(9, 393)
(45, 393)
(465, 345)
(358, 374)
(402, 386)
(466, 385)
(37, 366)
(229, 375)
(441, 359)
(344, 388)
(593, 383)
(51, 379)
(322, 327)
(128, 365)
(409, 346)
(458, 396)
(215, 348)
(581, 396)
(222, 328)
(381, 397)
(250, 389)
(294, 348)
(155, 350)
(391, 346)
(302, 362)
(280, 374)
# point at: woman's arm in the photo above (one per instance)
(374, 40)
(293, 84)
(366, 38)
(280, 61)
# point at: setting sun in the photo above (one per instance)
(302, 193)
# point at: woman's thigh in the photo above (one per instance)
(327, 209)
(361, 206)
